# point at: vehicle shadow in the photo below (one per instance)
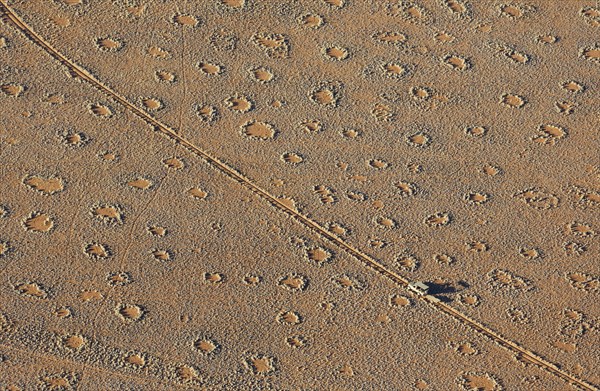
(445, 290)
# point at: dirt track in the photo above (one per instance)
(261, 364)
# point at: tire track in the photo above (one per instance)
(96, 368)
(522, 353)
(77, 71)
(16, 338)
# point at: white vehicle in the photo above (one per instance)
(418, 288)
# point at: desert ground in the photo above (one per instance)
(238, 195)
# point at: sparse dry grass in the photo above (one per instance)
(351, 147)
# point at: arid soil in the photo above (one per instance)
(234, 195)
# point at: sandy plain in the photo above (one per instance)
(233, 195)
